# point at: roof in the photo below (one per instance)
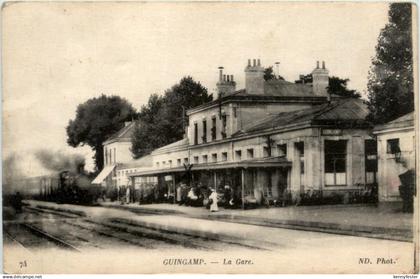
(143, 162)
(280, 88)
(274, 91)
(337, 112)
(404, 121)
(123, 135)
(175, 145)
(269, 162)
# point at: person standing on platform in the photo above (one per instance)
(127, 195)
(213, 199)
(178, 194)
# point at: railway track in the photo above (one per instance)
(31, 237)
(78, 233)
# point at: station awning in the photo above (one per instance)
(270, 162)
(103, 174)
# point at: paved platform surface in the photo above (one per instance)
(384, 221)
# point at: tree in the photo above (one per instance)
(161, 121)
(96, 120)
(338, 86)
(269, 74)
(146, 136)
(390, 84)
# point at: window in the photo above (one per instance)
(115, 155)
(195, 159)
(170, 163)
(282, 150)
(178, 162)
(335, 162)
(235, 112)
(214, 157)
(238, 155)
(371, 161)
(266, 151)
(185, 160)
(393, 146)
(250, 153)
(205, 160)
(300, 149)
(224, 123)
(106, 156)
(157, 164)
(213, 128)
(163, 163)
(224, 156)
(204, 137)
(195, 133)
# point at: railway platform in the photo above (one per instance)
(354, 220)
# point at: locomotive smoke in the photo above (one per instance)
(12, 174)
(57, 161)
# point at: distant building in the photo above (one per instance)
(396, 154)
(272, 140)
(117, 150)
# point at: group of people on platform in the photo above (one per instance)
(199, 195)
(196, 195)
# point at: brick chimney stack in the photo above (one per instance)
(254, 78)
(320, 80)
(226, 84)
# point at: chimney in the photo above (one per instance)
(277, 69)
(254, 78)
(226, 85)
(320, 80)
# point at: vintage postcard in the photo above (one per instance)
(209, 137)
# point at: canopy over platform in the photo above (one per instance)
(103, 174)
(270, 162)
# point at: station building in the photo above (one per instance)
(271, 141)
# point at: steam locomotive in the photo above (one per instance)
(68, 187)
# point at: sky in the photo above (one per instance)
(58, 55)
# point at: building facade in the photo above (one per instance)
(271, 141)
(396, 154)
(117, 150)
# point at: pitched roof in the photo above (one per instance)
(123, 135)
(274, 90)
(174, 145)
(404, 121)
(339, 111)
(142, 162)
(278, 87)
